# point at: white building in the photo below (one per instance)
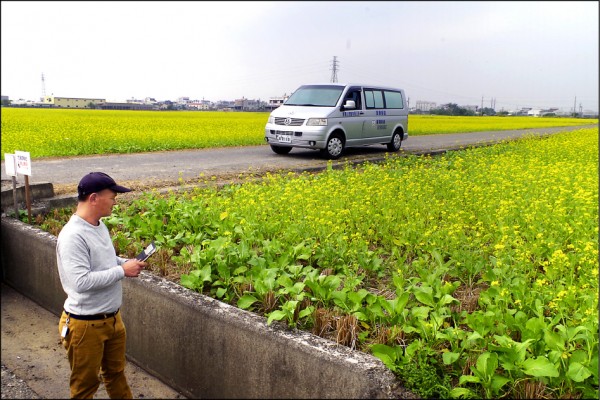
(425, 106)
(199, 105)
(275, 102)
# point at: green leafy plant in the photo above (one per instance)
(471, 274)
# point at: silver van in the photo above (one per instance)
(330, 117)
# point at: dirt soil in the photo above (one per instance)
(34, 363)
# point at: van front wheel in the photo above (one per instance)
(396, 142)
(281, 149)
(334, 148)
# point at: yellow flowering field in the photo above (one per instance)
(62, 132)
(438, 124)
(472, 274)
(68, 132)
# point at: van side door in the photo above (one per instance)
(376, 124)
(353, 118)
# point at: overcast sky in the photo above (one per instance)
(522, 54)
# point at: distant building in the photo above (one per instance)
(520, 112)
(275, 102)
(225, 105)
(27, 103)
(72, 102)
(244, 104)
(425, 106)
(198, 105)
(166, 105)
(97, 103)
(537, 112)
(125, 106)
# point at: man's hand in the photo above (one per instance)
(133, 267)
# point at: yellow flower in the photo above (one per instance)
(561, 294)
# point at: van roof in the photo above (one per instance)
(349, 84)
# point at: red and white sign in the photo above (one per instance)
(23, 162)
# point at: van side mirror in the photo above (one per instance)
(350, 105)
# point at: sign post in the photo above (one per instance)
(10, 163)
(24, 167)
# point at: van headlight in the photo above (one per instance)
(271, 120)
(316, 122)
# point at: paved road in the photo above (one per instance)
(189, 164)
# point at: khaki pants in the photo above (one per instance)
(96, 348)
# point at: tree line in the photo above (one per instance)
(455, 109)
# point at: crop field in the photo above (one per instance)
(63, 132)
(470, 275)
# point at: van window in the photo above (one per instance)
(393, 99)
(315, 95)
(354, 94)
(374, 98)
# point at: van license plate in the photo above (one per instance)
(284, 138)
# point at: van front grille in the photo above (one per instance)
(290, 121)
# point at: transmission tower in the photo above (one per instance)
(334, 69)
(43, 87)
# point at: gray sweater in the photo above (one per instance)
(89, 268)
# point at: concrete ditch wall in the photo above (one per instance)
(37, 191)
(200, 346)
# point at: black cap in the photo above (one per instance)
(96, 182)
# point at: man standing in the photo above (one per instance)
(91, 327)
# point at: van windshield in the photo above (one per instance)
(315, 95)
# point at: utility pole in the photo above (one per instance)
(334, 69)
(575, 107)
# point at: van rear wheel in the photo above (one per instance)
(281, 149)
(396, 142)
(334, 148)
